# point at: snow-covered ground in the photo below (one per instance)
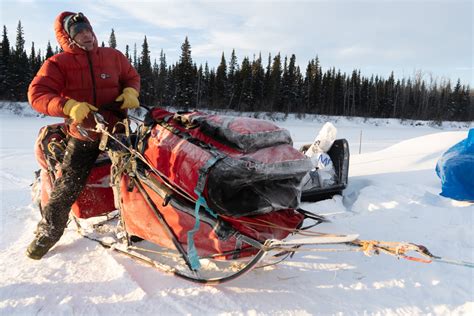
(392, 196)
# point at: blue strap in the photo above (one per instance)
(192, 251)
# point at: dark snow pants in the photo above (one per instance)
(78, 161)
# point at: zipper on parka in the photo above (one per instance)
(91, 68)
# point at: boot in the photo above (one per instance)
(40, 246)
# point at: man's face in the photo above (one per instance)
(85, 38)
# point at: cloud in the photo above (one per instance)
(354, 51)
(192, 15)
(365, 53)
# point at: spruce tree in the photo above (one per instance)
(112, 40)
(185, 85)
(307, 87)
(380, 94)
(456, 109)
(338, 93)
(162, 84)
(245, 102)
(20, 68)
(232, 80)
(325, 94)
(284, 87)
(267, 85)
(389, 98)
(127, 53)
(20, 40)
(211, 89)
(155, 72)
(199, 86)
(258, 78)
(353, 89)
(220, 85)
(147, 93)
(468, 99)
(205, 87)
(289, 85)
(364, 97)
(298, 106)
(49, 51)
(316, 97)
(135, 59)
(5, 43)
(171, 85)
(275, 84)
(39, 59)
(5, 83)
(32, 57)
(33, 60)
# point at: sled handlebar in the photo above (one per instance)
(114, 108)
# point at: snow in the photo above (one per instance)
(392, 196)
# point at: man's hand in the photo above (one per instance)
(129, 97)
(78, 111)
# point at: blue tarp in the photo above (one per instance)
(456, 170)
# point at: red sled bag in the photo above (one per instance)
(240, 166)
(143, 198)
(97, 196)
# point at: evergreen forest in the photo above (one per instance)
(270, 84)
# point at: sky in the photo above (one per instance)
(433, 39)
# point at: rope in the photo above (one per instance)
(53, 144)
(398, 249)
(454, 262)
(268, 224)
(135, 153)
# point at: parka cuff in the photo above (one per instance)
(58, 110)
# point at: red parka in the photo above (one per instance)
(97, 77)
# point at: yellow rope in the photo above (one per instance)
(398, 249)
(51, 148)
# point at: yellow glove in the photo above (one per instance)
(77, 111)
(129, 97)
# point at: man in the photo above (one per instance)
(71, 84)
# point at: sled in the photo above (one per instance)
(173, 207)
(171, 214)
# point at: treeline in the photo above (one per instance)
(276, 84)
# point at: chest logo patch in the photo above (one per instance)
(104, 76)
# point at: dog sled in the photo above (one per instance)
(204, 197)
